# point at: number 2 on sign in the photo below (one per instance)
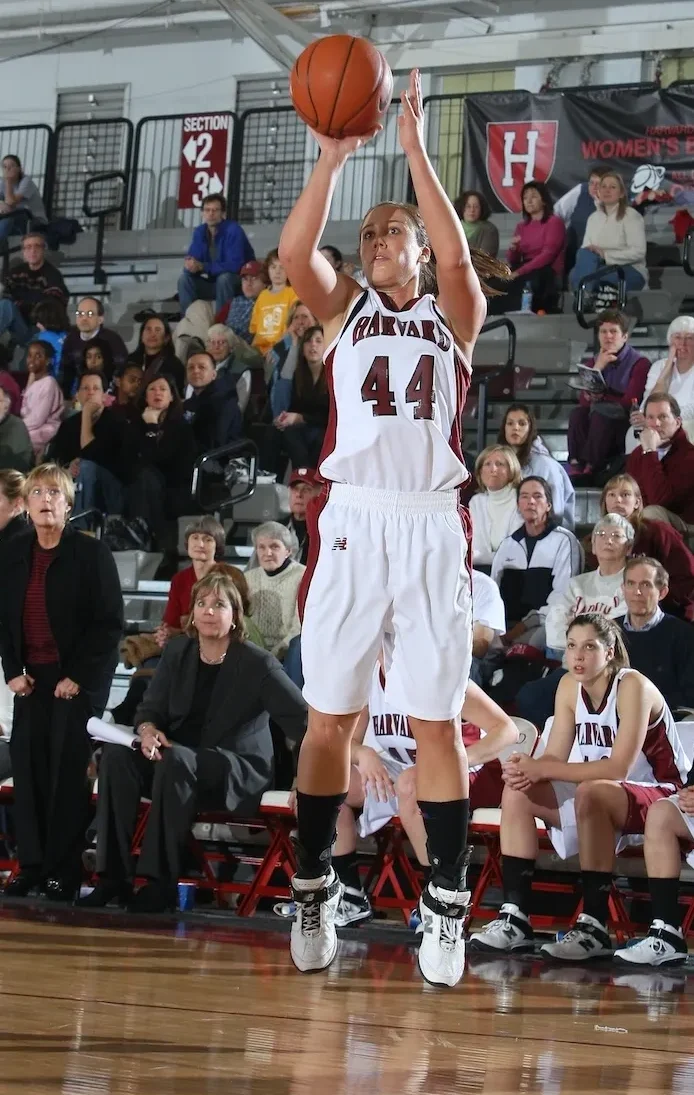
(420, 390)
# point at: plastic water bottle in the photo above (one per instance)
(527, 298)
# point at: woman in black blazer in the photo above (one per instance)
(204, 742)
(61, 620)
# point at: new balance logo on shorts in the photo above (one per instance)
(340, 544)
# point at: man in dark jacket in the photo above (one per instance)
(89, 325)
(16, 450)
(218, 250)
(90, 445)
(663, 464)
(213, 408)
(28, 283)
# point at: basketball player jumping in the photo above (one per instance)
(389, 541)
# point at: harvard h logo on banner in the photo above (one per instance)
(518, 152)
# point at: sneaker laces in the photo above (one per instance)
(310, 918)
(451, 932)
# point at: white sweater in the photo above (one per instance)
(591, 592)
(274, 605)
(622, 240)
(494, 517)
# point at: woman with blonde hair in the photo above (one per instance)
(656, 539)
(615, 235)
(204, 735)
(61, 619)
(494, 509)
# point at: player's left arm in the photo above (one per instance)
(460, 294)
(500, 730)
(634, 704)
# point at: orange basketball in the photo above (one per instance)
(341, 86)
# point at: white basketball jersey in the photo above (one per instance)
(386, 732)
(397, 386)
(662, 758)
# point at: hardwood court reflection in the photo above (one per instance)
(92, 1009)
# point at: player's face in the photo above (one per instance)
(611, 338)
(388, 249)
(640, 591)
(495, 472)
(516, 429)
(271, 553)
(586, 655)
(621, 499)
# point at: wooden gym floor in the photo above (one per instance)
(92, 1006)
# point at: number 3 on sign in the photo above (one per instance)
(420, 390)
(201, 181)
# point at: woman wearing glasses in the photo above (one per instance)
(61, 618)
(597, 591)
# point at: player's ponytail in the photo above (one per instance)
(485, 266)
(608, 633)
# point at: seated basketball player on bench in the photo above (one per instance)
(669, 831)
(383, 785)
(627, 756)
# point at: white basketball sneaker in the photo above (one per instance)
(663, 946)
(314, 940)
(587, 940)
(441, 955)
(509, 933)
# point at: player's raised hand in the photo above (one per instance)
(340, 150)
(411, 117)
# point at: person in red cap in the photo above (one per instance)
(303, 486)
(234, 314)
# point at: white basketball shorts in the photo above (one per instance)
(387, 562)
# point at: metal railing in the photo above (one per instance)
(223, 496)
(80, 150)
(600, 275)
(156, 172)
(102, 212)
(482, 375)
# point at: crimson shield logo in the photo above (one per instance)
(518, 152)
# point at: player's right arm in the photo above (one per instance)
(327, 292)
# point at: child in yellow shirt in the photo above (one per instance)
(269, 315)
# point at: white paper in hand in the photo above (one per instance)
(110, 732)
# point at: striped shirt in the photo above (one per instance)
(39, 645)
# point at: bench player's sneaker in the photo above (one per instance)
(587, 940)
(509, 933)
(663, 946)
(353, 908)
(313, 939)
(441, 955)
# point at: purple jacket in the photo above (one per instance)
(541, 243)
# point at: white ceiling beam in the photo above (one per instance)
(265, 24)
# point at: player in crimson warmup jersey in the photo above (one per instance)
(612, 751)
(389, 541)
